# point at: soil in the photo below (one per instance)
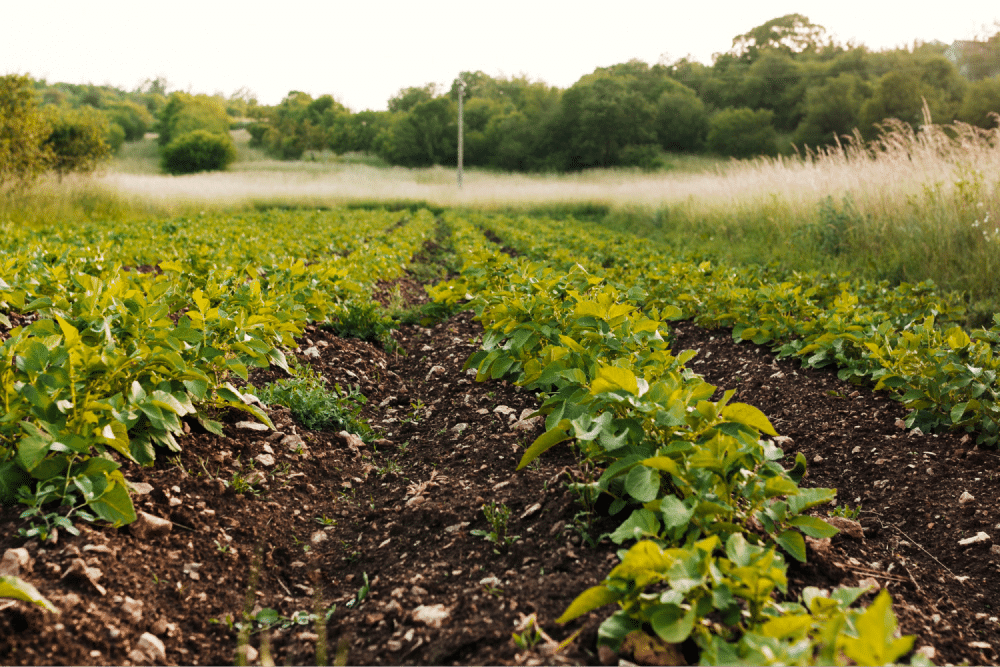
(326, 512)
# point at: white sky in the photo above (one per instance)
(364, 52)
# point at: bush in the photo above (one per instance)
(78, 139)
(315, 406)
(199, 150)
(23, 157)
(742, 133)
(681, 121)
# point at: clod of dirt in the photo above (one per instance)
(848, 527)
(147, 526)
(14, 562)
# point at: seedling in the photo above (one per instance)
(528, 639)
(325, 521)
(497, 516)
(846, 512)
(362, 593)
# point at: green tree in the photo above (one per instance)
(830, 110)
(185, 113)
(982, 103)
(407, 98)
(23, 130)
(134, 118)
(681, 121)
(897, 95)
(77, 140)
(424, 136)
(742, 133)
(198, 150)
(791, 33)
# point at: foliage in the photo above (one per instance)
(77, 140)
(317, 407)
(198, 150)
(742, 133)
(185, 113)
(681, 121)
(116, 359)
(715, 510)
(982, 103)
(497, 516)
(23, 130)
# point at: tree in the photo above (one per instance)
(791, 33)
(742, 133)
(77, 140)
(897, 95)
(185, 113)
(831, 110)
(198, 150)
(407, 98)
(23, 130)
(681, 121)
(982, 103)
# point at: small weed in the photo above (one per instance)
(492, 590)
(240, 484)
(846, 512)
(325, 521)
(361, 595)
(316, 406)
(497, 516)
(221, 548)
(529, 638)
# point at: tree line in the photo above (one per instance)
(781, 85)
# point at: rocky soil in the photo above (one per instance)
(378, 536)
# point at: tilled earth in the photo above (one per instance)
(325, 512)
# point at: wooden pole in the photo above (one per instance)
(461, 124)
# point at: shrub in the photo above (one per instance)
(23, 157)
(315, 406)
(681, 121)
(78, 139)
(742, 133)
(199, 150)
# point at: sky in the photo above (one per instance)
(362, 53)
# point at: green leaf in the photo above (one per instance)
(779, 486)
(12, 477)
(590, 599)
(787, 626)
(957, 412)
(643, 483)
(793, 543)
(640, 524)
(876, 643)
(614, 378)
(546, 441)
(115, 506)
(671, 623)
(813, 526)
(18, 589)
(807, 498)
(675, 513)
(33, 446)
(742, 413)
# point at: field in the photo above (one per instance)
(451, 433)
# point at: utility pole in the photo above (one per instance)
(461, 127)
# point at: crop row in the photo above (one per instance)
(906, 340)
(711, 511)
(132, 330)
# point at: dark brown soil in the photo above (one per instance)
(324, 515)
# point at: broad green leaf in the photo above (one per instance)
(643, 483)
(16, 588)
(876, 643)
(12, 478)
(33, 446)
(807, 498)
(614, 378)
(115, 506)
(664, 463)
(779, 486)
(958, 411)
(641, 524)
(675, 513)
(793, 544)
(671, 623)
(546, 441)
(749, 415)
(590, 599)
(787, 626)
(813, 526)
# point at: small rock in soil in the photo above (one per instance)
(850, 528)
(975, 539)
(252, 426)
(432, 616)
(14, 562)
(965, 498)
(146, 525)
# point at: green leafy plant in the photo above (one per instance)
(316, 406)
(361, 595)
(497, 515)
(846, 512)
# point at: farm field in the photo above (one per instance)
(330, 541)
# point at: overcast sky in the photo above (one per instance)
(364, 52)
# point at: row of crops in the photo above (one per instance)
(118, 333)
